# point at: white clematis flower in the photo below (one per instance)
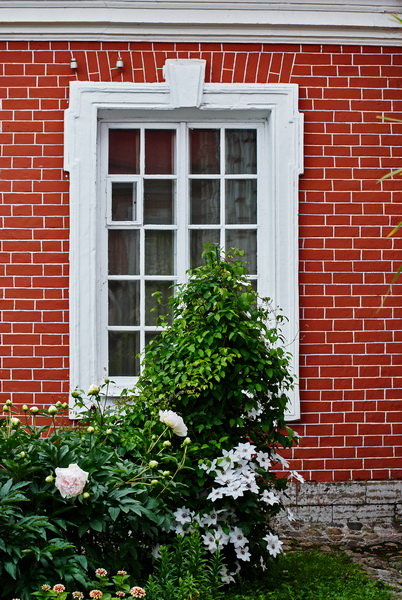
(274, 545)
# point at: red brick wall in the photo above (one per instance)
(350, 347)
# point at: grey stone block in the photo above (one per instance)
(322, 494)
(313, 514)
(369, 513)
(384, 492)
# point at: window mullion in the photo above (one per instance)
(223, 189)
(182, 196)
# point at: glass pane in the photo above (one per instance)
(124, 252)
(158, 201)
(205, 201)
(124, 302)
(199, 237)
(244, 239)
(241, 201)
(124, 346)
(124, 151)
(159, 151)
(241, 151)
(153, 308)
(124, 201)
(159, 253)
(204, 151)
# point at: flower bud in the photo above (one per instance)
(154, 481)
(6, 408)
(107, 380)
(186, 441)
(15, 422)
(109, 431)
(153, 463)
(90, 429)
(25, 407)
(166, 473)
(85, 495)
(52, 410)
(93, 390)
(34, 410)
(166, 444)
(64, 405)
(49, 479)
(8, 402)
(75, 394)
(22, 454)
(58, 404)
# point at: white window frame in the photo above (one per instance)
(90, 102)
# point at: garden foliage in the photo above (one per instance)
(222, 364)
(193, 450)
(115, 520)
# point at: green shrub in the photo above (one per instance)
(222, 365)
(117, 517)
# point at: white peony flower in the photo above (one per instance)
(274, 545)
(93, 390)
(70, 481)
(172, 420)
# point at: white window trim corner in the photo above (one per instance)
(279, 102)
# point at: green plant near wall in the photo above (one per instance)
(222, 364)
(71, 498)
(222, 358)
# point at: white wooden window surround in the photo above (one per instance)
(178, 106)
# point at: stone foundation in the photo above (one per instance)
(343, 514)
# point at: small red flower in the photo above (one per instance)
(137, 592)
(59, 588)
(95, 594)
(101, 572)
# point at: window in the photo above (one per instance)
(151, 182)
(169, 189)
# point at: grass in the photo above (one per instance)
(312, 576)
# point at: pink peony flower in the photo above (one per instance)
(71, 481)
(137, 592)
